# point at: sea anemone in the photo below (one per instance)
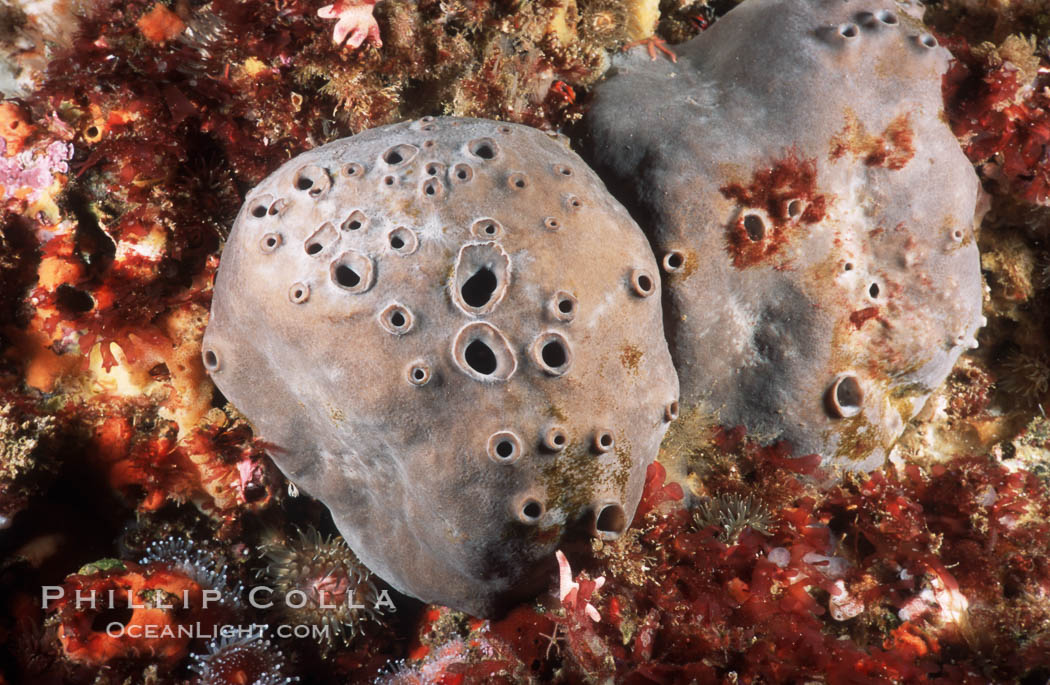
(198, 563)
(112, 610)
(732, 514)
(319, 581)
(456, 661)
(1028, 376)
(243, 659)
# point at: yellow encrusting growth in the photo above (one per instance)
(642, 17)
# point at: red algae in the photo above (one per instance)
(865, 582)
(786, 195)
(1000, 113)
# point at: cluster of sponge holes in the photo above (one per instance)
(642, 283)
(844, 396)
(848, 32)
(396, 319)
(480, 277)
(609, 521)
(482, 352)
(353, 272)
(504, 447)
(875, 20)
(755, 222)
(487, 228)
(563, 306)
(426, 124)
(266, 205)
(312, 180)
(869, 20)
(395, 159)
(551, 352)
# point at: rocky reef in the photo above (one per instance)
(133, 131)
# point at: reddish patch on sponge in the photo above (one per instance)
(897, 146)
(893, 148)
(786, 195)
(859, 317)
